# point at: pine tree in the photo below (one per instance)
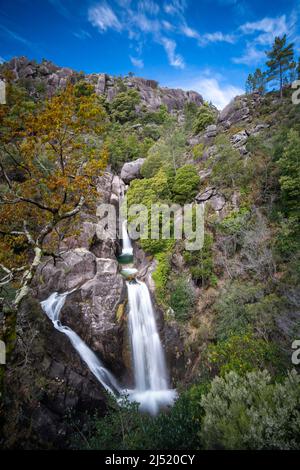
(259, 81)
(250, 84)
(280, 61)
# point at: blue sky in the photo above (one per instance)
(206, 45)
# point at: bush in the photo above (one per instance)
(245, 304)
(252, 413)
(205, 116)
(186, 184)
(201, 263)
(182, 299)
(243, 353)
(123, 106)
(125, 428)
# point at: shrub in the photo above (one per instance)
(246, 304)
(201, 263)
(123, 106)
(182, 299)
(249, 412)
(243, 353)
(186, 184)
(204, 117)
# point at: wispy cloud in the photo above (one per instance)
(267, 28)
(148, 6)
(251, 56)
(15, 36)
(60, 7)
(2, 60)
(102, 17)
(175, 7)
(263, 33)
(218, 36)
(176, 60)
(137, 62)
(82, 34)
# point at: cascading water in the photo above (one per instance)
(150, 373)
(52, 307)
(127, 248)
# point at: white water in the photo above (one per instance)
(150, 372)
(52, 307)
(127, 247)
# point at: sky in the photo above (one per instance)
(205, 45)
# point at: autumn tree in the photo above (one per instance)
(49, 160)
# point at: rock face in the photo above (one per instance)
(47, 77)
(45, 375)
(132, 170)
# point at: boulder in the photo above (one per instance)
(71, 270)
(131, 170)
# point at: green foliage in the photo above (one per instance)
(161, 275)
(242, 353)
(246, 304)
(249, 412)
(205, 116)
(123, 106)
(256, 82)
(83, 88)
(125, 145)
(190, 113)
(280, 61)
(125, 428)
(289, 165)
(230, 170)
(182, 299)
(201, 263)
(186, 184)
(198, 151)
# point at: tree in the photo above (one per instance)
(250, 84)
(280, 61)
(123, 106)
(204, 117)
(256, 82)
(48, 166)
(298, 69)
(250, 412)
(186, 184)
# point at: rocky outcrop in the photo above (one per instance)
(46, 78)
(45, 376)
(132, 170)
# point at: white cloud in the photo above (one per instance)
(102, 17)
(218, 36)
(2, 60)
(82, 34)
(15, 36)
(175, 7)
(220, 95)
(213, 89)
(268, 29)
(148, 6)
(190, 32)
(137, 62)
(251, 56)
(170, 47)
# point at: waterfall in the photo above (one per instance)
(150, 372)
(127, 247)
(52, 307)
